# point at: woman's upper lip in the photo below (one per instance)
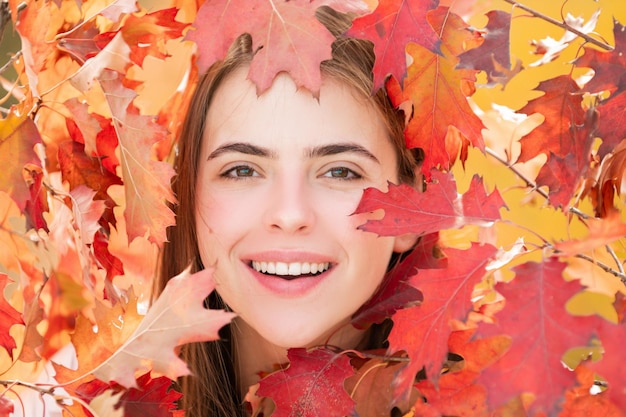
(287, 256)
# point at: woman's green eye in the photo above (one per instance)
(240, 171)
(342, 173)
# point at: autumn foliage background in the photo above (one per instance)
(512, 304)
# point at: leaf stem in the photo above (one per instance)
(517, 172)
(604, 267)
(563, 25)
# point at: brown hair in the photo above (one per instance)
(213, 389)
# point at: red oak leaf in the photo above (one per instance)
(541, 331)
(422, 331)
(601, 232)
(493, 55)
(580, 402)
(390, 27)
(146, 181)
(78, 169)
(37, 205)
(286, 36)
(6, 407)
(562, 174)
(96, 132)
(371, 387)
(8, 317)
(612, 123)
(111, 263)
(312, 385)
(442, 122)
(395, 292)
(457, 392)
(561, 107)
(152, 397)
(439, 207)
(609, 67)
(147, 34)
(608, 180)
(18, 136)
(612, 337)
(177, 317)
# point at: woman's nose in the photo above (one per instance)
(290, 208)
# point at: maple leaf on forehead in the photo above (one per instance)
(493, 55)
(177, 317)
(442, 122)
(390, 27)
(422, 331)
(8, 317)
(286, 36)
(541, 331)
(312, 385)
(609, 67)
(439, 207)
(561, 106)
(146, 181)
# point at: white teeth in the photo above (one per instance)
(292, 268)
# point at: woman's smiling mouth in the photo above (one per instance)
(291, 269)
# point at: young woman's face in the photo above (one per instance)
(279, 178)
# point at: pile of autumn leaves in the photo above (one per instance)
(83, 217)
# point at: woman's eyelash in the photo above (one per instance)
(239, 172)
(343, 173)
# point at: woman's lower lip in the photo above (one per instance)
(290, 286)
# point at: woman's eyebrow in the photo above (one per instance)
(337, 148)
(241, 147)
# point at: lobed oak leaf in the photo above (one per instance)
(312, 385)
(286, 36)
(609, 180)
(609, 67)
(78, 170)
(581, 402)
(601, 232)
(395, 292)
(177, 317)
(154, 397)
(551, 48)
(612, 337)
(541, 332)
(9, 316)
(147, 34)
(371, 387)
(18, 136)
(114, 57)
(442, 122)
(96, 132)
(390, 27)
(6, 407)
(94, 344)
(561, 106)
(37, 204)
(146, 181)
(612, 124)
(563, 174)
(493, 55)
(439, 207)
(423, 331)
